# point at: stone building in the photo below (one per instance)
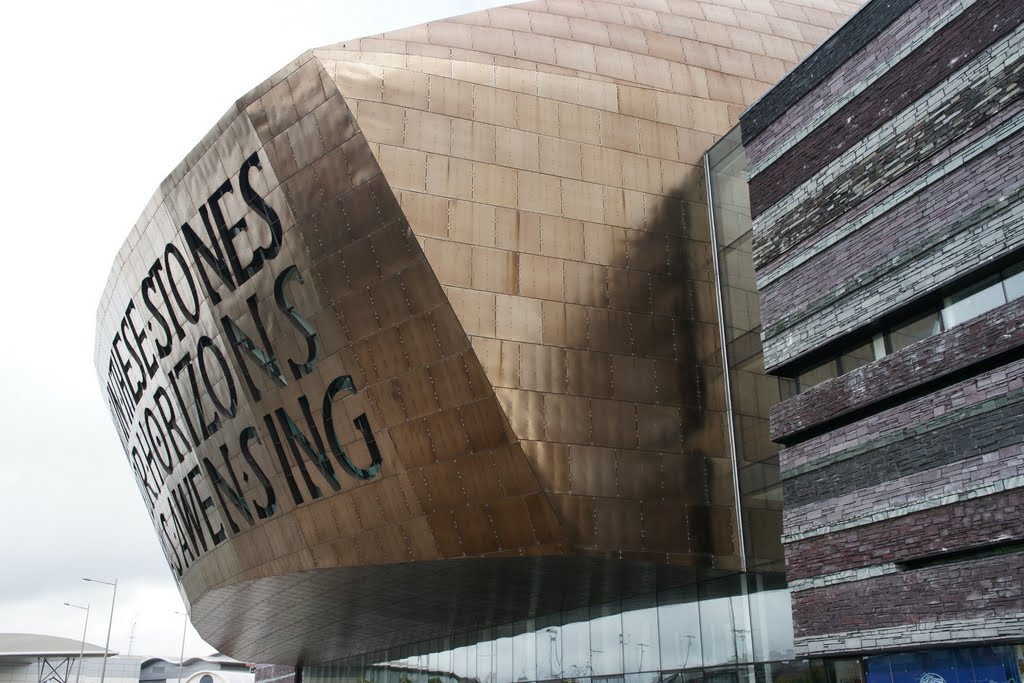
(886, 193)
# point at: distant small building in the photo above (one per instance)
(32, 658)
(217, 667)
(221, 676)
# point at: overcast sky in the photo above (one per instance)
(99, 102)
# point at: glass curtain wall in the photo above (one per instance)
(724, 629)
(752, 392)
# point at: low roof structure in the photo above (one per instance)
(19, 645)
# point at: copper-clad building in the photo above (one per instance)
(422, 342)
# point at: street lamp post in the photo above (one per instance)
(81, 652)
(184, 628)
(106, 648)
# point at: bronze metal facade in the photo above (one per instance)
(423, 334)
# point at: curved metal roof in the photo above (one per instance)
(35, 645)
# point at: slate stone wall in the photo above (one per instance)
(884, 176)
(988, 589)
(998, 332)
(928, 532)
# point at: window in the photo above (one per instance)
(856, 357)
(973, 301)
(913, 331)
(1013, 282)
(817, 375)
(959, 307)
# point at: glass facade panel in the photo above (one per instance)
(724, 630)
(421, 664)
(524, 651)
(606, 639)
(548, 647)
(1013, 283)
(973, 301)
(878, 670)
(795, 671)
(576, 644)
(640, 646)
(771, 617)
(463, 658)
(751, 391)
(856, 357)
(726, 676)
(844, 671)
(486, 656)
(735, 622)
(504, 647)
(679, 629)
(817, 375)
(963, 665)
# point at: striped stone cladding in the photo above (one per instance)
(988, 589)
(921, 450)
(882, 250)
(962, 480)
(941, 125)
(901, 37)
(920, 152)
(902, 179)
(978, 27)
(897, 179)
(871, 206)
(1000, 331)
(949, 403)
(931, 531)
(839, 48)
(970, 236)
(867, 240)
(952, 632)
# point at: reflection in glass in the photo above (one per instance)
(486, 656)
(433, 659)
(817, 375)
(973, 301)
(724, 624)
(751, 393)
(914, 330)
(649, 638)
(640, 650)
(504, 647)
(422, 664)
(576, 644)
(724, 676)
(549, 648)
(606, 639)
(464, 657)
(648, 677)
(1013, 283)
(679, 629)
(771, 619)
(857, 356)
(524, 651)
